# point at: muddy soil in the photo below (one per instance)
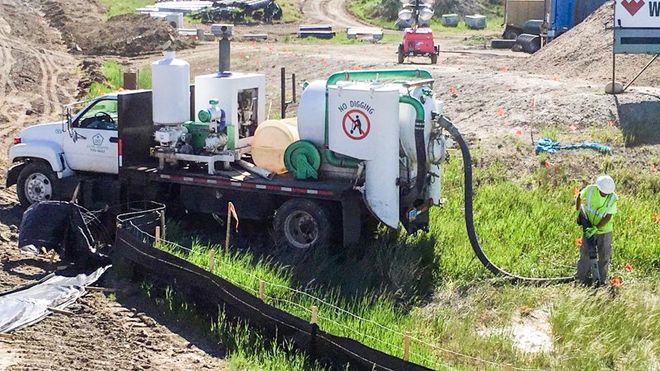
(85, 30)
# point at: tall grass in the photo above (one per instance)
(526, 227)
(245, 347)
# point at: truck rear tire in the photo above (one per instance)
(36, 183)
(302, 224)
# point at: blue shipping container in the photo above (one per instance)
(564, 14)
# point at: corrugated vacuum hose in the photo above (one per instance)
(469, 214)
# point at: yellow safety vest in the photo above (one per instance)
(596, 207)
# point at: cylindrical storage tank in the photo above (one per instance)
(270, 142)
(311, 113)
(171, 90)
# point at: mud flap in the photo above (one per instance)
(351, 220)
(13, 172)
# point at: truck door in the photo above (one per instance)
(92, 143)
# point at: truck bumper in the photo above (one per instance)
(13, 172)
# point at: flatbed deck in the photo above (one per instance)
(238, 178)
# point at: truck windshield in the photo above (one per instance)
(101, 115)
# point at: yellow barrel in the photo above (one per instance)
(270, 141)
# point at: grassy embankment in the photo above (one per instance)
(434, 287)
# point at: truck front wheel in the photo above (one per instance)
(302, 224)
(36, 183)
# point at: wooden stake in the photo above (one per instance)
(157, 234)
(76, 192)
(212, 261)
(262, 290)
(99, 289)
(315, 315)
(406, 346)
(228, 229)
(162, 222)
(61, 311)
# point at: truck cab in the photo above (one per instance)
(45, 157)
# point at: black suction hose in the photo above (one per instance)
(469, 215)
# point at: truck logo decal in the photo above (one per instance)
(97, 139)
(633, 6)
(356, 124)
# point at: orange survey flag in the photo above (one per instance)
(231, 210)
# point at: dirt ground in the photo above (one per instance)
(500, 99)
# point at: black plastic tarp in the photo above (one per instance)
(60, 226)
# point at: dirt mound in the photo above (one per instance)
(85, 31)
(586, 52)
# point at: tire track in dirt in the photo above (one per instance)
(103, 335)
(332, 12)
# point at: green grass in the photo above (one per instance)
(526, 227)
(113, 73)
(119, 7)
(291, 11)
(246, 348)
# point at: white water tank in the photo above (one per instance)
(171, 90)
(363, 123)
(311, 113)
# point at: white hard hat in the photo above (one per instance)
(605, 184)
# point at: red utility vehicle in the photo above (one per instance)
(418, 42)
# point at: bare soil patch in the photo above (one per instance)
(85, 30)
(586, 52)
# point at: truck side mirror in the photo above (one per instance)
(68, 117)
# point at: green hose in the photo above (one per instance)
(417, 105)
(378, 74)
(340, 161)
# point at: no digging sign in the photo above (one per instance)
(637, 26)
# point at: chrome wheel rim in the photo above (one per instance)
(301, 229)
(38, 188)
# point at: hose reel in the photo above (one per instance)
(303, 160)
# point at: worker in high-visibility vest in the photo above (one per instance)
(596, 204)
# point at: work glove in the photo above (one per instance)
(590, 232)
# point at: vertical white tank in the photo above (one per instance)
(311, 112)
(171, 90)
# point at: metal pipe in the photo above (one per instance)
(224, 55)
(640, 72)
(379, 74)
(283, 93)
(293, 87)
(255, 169)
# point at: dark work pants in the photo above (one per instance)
(604, 243)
